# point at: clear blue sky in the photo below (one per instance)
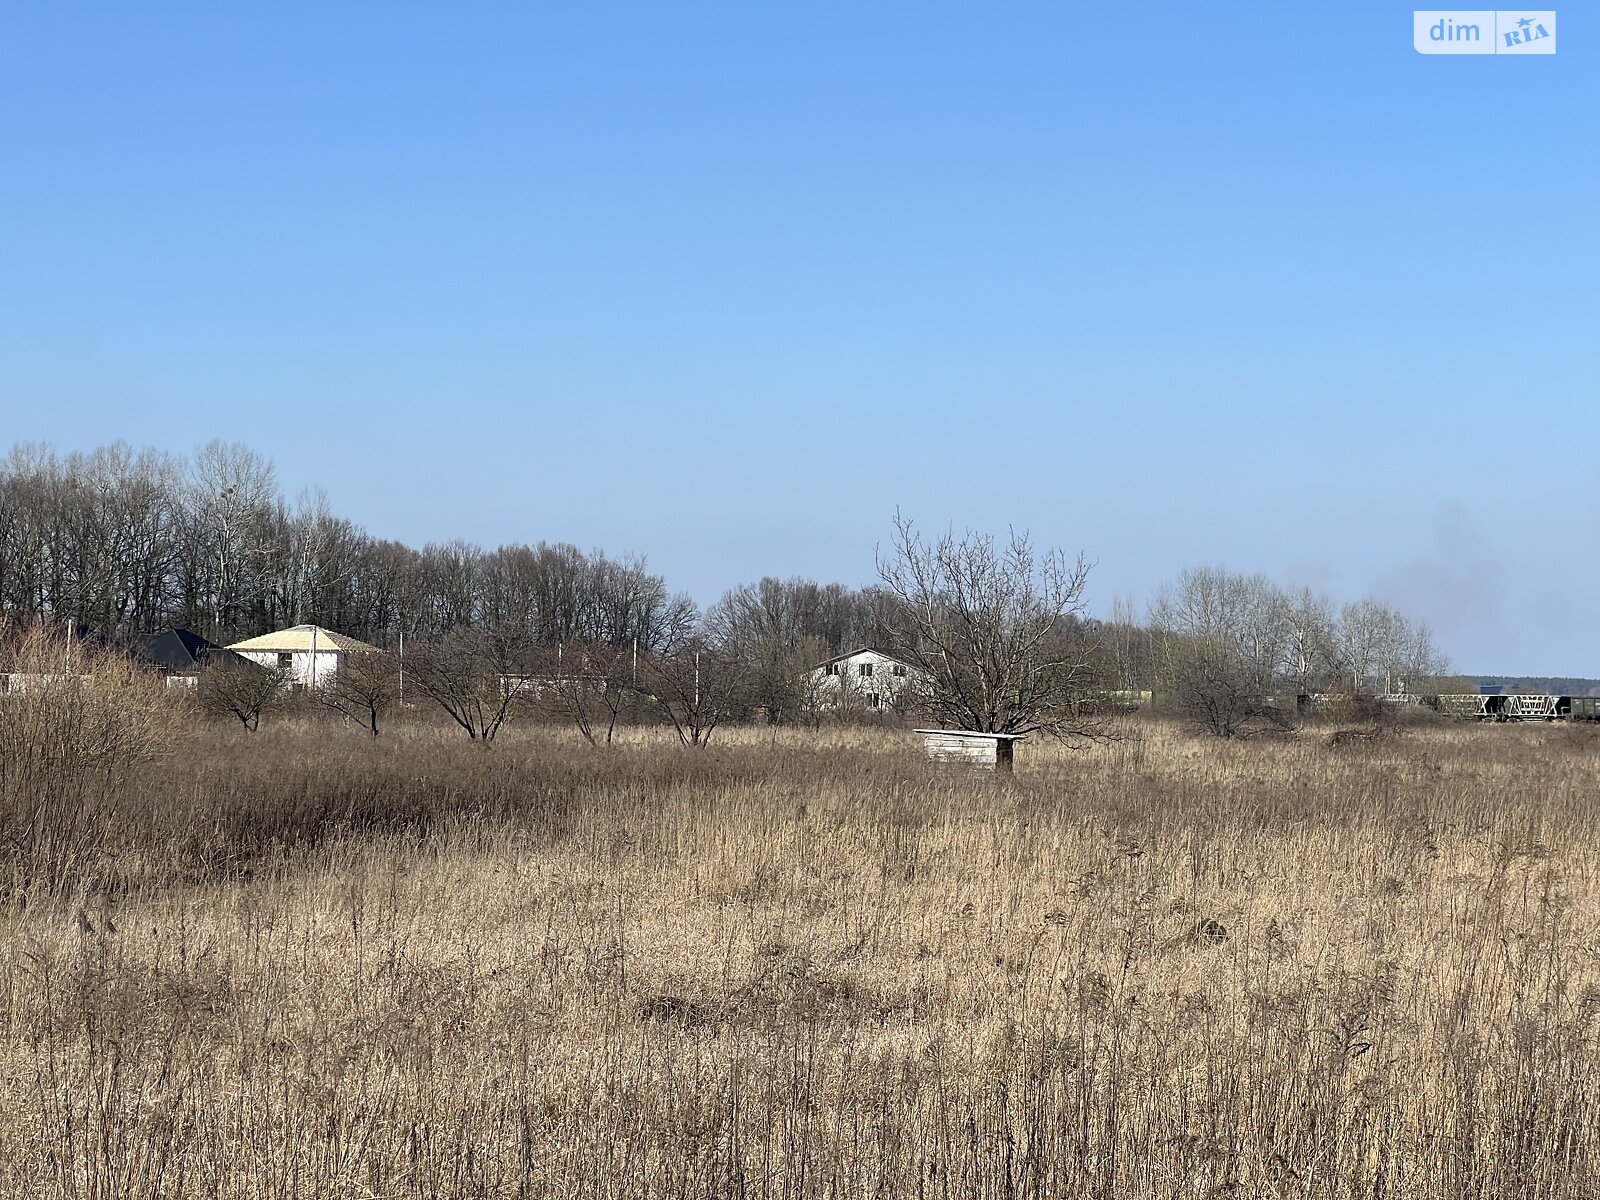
(724, 284)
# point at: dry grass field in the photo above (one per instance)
(307, 964)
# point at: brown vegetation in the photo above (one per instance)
(993, 633)
(243, 690)
(798, 965)
(77, 724)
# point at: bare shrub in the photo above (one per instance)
(476, 676)
(697, 687)
(1341, 738)
(592, 685)
(76, 723)
(363, 689)
(245, 691)
(1215, 690)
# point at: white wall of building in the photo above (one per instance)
(867, 677)
(302, 669)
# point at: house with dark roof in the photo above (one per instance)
(180, 653)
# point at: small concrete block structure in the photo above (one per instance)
(963, 747)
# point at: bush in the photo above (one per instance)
(75, 722)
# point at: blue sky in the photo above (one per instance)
(725, 284)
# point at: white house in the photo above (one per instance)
(871, 677)
(310, 653)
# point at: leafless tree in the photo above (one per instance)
(783, 613)
(696, 686)
(993, 633)
(245, 691)
(1381, 649)
(231, 493)
(309, 555)
(763, 627)
(1360, 634)
(591, 685)
(1212, 684)
(1226, 641)
(451, 585)
(1232, 643)
(1311, 656)
(1245, 613)
(476, 676)
(363, 689)
(125, 542)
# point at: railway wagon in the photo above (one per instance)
(1514, 706)
(1583, 708)
(1466, 706)
(1531, 708)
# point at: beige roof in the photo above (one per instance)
(298, 638)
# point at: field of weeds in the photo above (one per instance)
(307, 963)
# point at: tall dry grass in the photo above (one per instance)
(76, 723)
(315, 966)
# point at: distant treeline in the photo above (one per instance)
(121, 542)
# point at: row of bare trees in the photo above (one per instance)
(479, 679)
(119, 542)
(1235, 651)
(991, 633)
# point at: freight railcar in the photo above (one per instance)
(1470, 707)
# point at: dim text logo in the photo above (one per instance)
(1484, 31)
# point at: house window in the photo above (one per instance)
(832, 668)
(285, 659)
(865, 670)
(899, 668)
(874, 700)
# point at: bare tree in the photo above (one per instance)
(309, 554)
(231, 494)
(1381, 649)
(696, 686)
(363, 689)
(1245, 613)
(476, 676)
(229, 687)
(1226, 641)
(1215, 687)
(993, 633)
(763, 627)
(1420, 664)
(1311, 657)
(123, 542)
(1361, 633)
(589, 684)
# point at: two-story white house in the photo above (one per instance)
(311, 654)
(870, 678)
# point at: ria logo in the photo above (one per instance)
(1484, 31)
(1528, 31)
